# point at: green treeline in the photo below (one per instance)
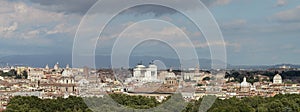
(34, 104)
(278, 103)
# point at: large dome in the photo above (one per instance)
(245, 83)
(277, 77)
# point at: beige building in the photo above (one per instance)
(35, 75)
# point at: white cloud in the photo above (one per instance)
(290, 15)
(3, 7)
(206, 44)
(281, 3)
(11, 28)
(82, 6)
(20, 20)
(165, 32)
(31, 34)
(62, 28)
(7, 31)
(238, 23)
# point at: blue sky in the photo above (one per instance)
(255, 31)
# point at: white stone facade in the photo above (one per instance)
(146, 74)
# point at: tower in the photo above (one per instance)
(47, 67)
(56, 66)
(86, 72)
(67, 66)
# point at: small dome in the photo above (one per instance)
(245, 83)
(67, 73)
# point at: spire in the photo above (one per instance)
(197, 69)
(171, 69)
(47, 66)
(141, 62)
(245, 80)
(67, 66)
(56, 66)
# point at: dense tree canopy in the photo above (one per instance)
(26, 104)
(279, 103)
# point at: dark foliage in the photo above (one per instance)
(279, 103)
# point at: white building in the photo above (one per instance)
(192, 74)
(6, 69)
(277, 79)
(145, 74)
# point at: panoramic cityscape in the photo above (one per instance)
(52, 82)
(149, 56)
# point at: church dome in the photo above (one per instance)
(67, 73)
(277, 77)
(245, 83)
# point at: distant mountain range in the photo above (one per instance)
(261, 67)
(101, 61)
(104, 61)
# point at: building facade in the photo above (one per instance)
(143, 73)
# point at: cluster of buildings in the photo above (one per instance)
(45, 83)
(49, 83)
(261, 88)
